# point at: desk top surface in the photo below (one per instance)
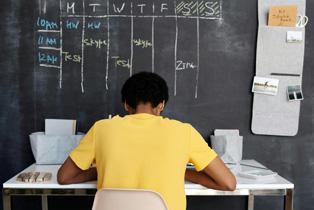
(277, 182)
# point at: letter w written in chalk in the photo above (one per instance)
(118, 9)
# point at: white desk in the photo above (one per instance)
(245, 187)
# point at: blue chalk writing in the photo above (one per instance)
(72, 24)
(93, 25)
(47, 58)
(46, 24)
(46, 40)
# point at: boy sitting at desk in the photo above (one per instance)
(144, 150)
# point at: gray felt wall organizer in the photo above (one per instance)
(275, 115)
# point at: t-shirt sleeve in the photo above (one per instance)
(84, 154)
(200, 154)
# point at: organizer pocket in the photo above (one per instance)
(49, 149)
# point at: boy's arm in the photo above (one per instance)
(215, 176)
(70, 173)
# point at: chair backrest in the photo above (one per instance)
(128, 199)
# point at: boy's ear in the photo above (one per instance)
(126, 106)
(161, 106)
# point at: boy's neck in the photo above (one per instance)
(145, 108)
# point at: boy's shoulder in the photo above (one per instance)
(177, 123)
(108, 121)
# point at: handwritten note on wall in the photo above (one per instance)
(283, 16)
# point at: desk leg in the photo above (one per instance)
(250, 203)
(44, 202)
(289, 200)
(6, 200)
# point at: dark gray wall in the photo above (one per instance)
(28, 95)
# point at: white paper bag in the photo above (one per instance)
(51, 149)
(228, 147)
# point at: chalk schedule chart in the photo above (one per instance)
(91, 38)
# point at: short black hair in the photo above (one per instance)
(144, 87)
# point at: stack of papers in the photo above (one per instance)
(258, 174)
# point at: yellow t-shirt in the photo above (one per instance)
(143, 151)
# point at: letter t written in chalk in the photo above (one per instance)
(94, 6)
(142, 7)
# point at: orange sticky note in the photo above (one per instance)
(283, 16)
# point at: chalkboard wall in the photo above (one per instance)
(207, 56)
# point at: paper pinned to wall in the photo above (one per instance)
(294, 36)
(283, 16)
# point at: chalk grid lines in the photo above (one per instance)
(197, 6)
